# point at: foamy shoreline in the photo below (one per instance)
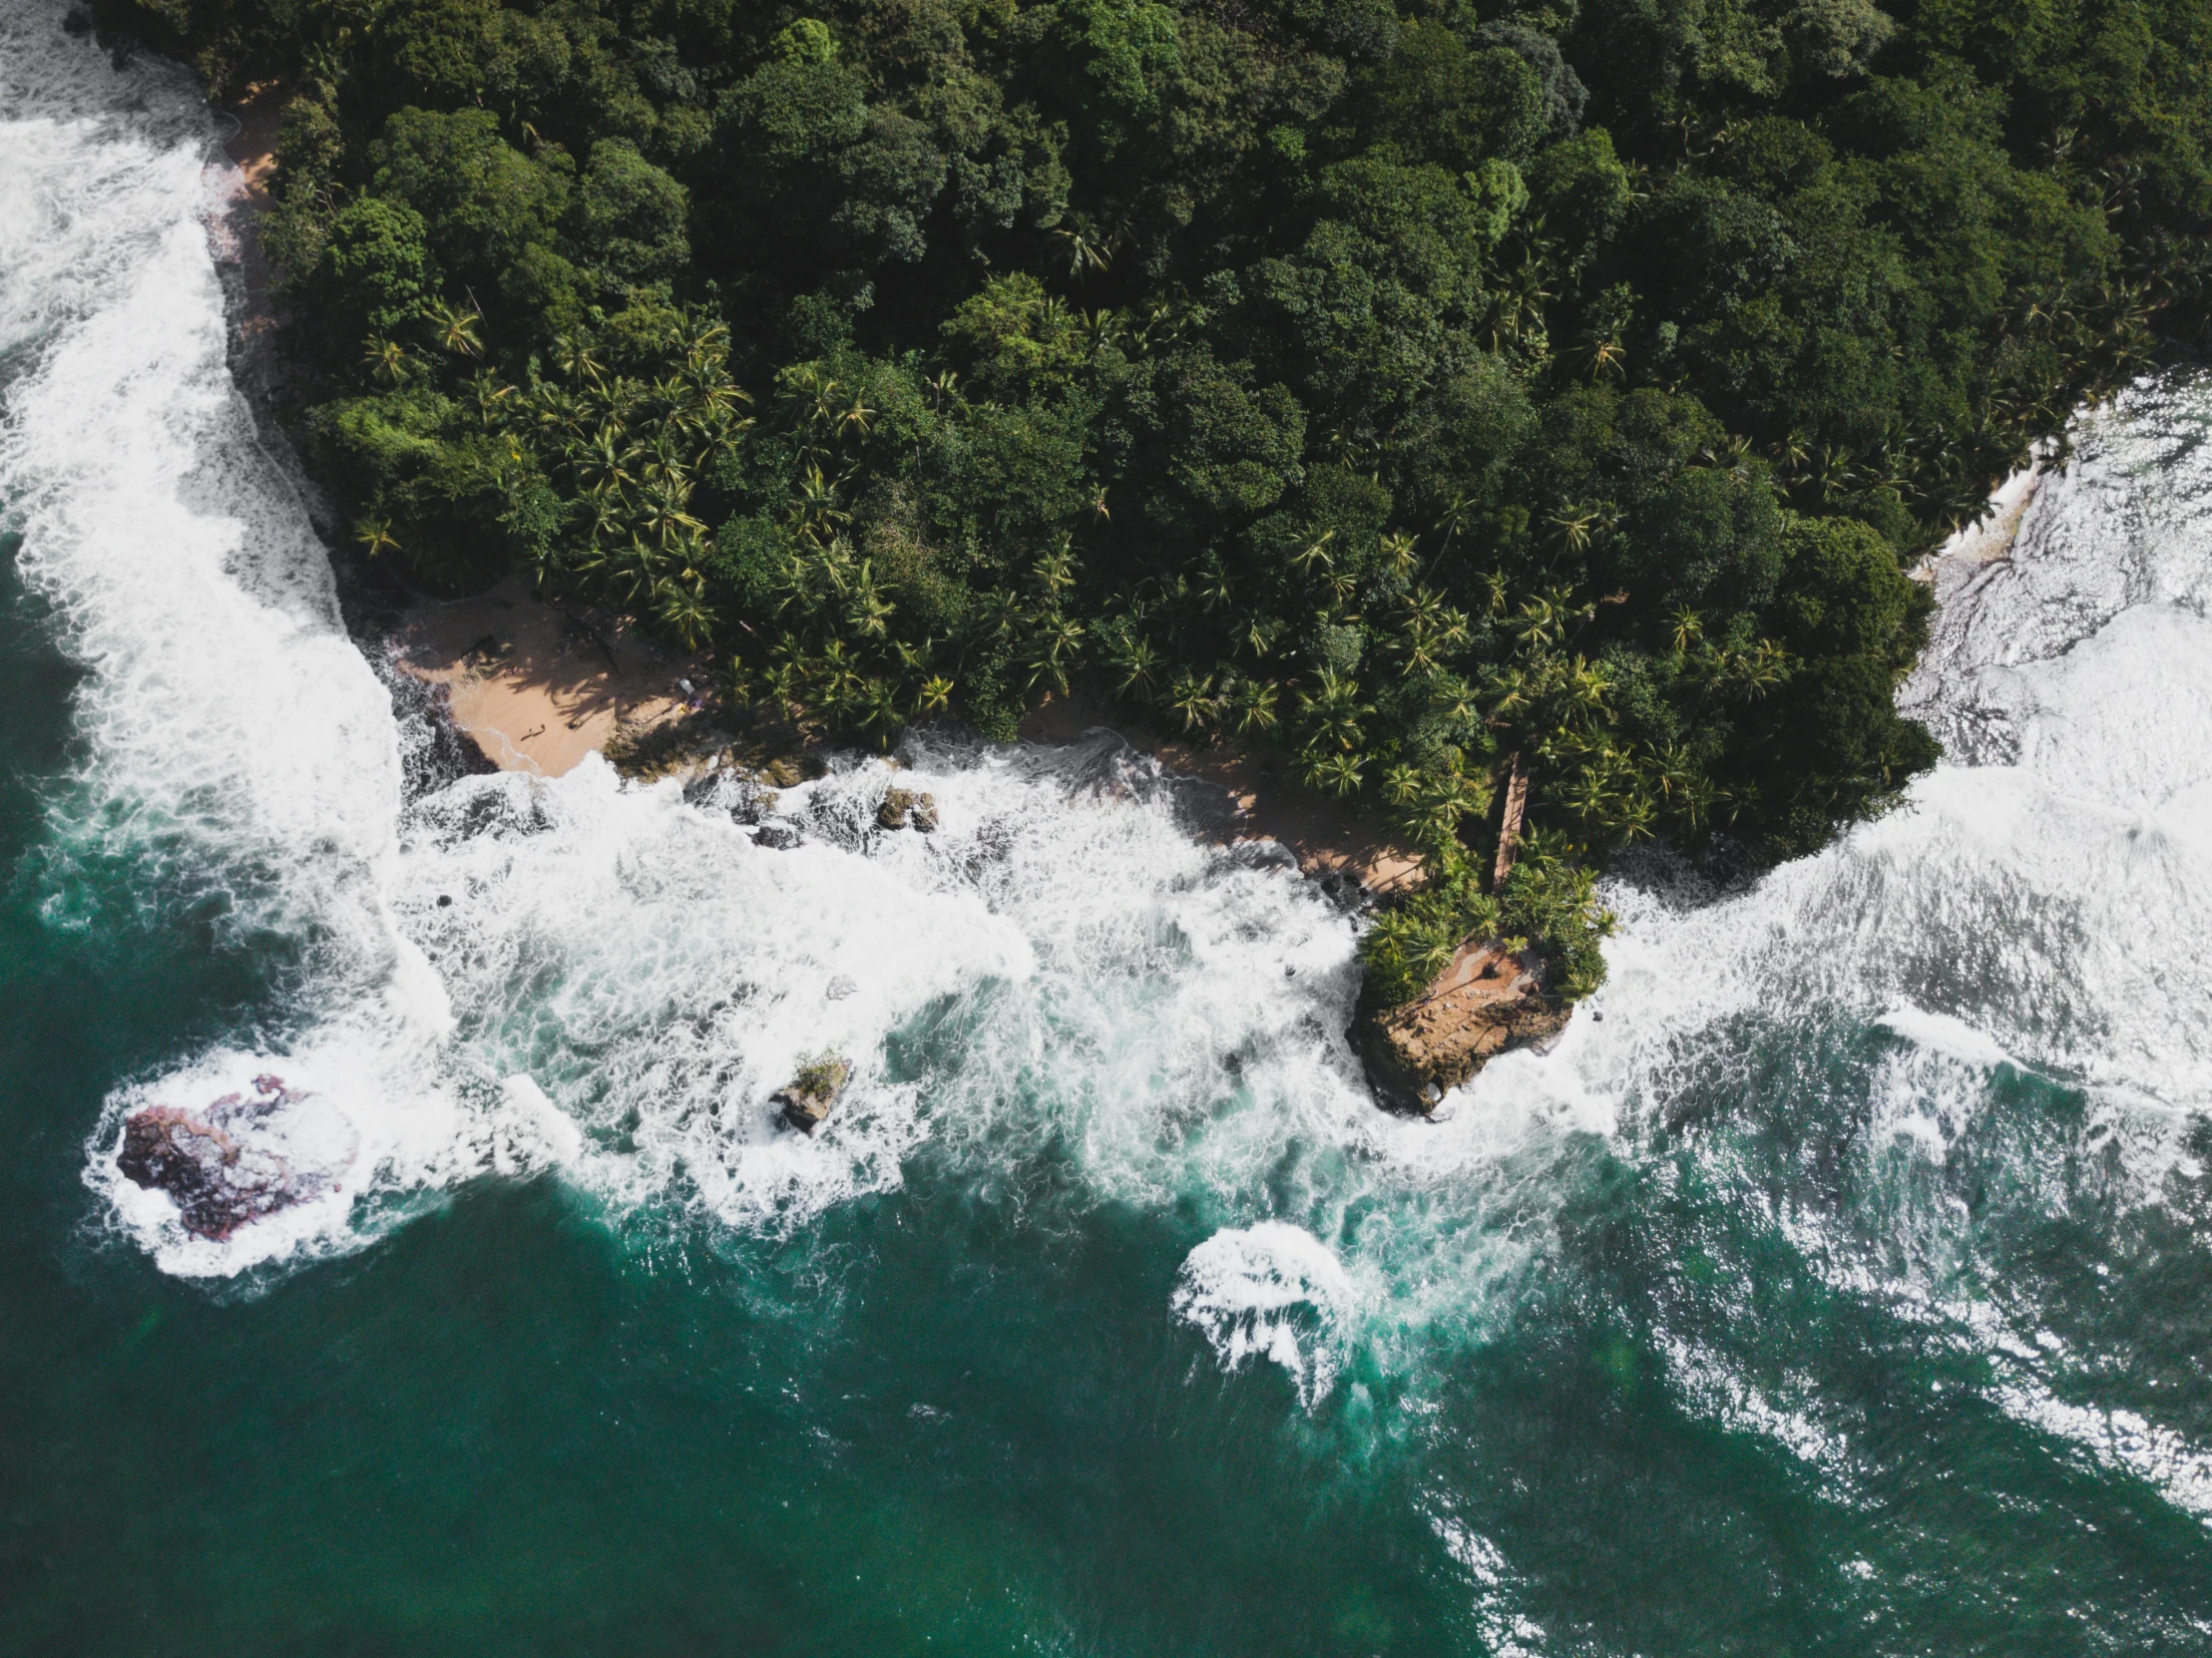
(537, 688)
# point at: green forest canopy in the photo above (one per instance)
(1404, 388)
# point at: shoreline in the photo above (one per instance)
(1988, 539)
(535, 687)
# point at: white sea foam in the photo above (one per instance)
(1269, 1291)
(517, 977)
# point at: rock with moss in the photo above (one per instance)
(907, 809)
(1457, 975)
(1490, 1000)
(806, 1100)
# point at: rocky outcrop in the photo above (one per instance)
(903, 808)
(1486, 1001)
(218, 1178)
(805, 1101)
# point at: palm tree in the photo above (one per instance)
(817, 503)
(1193, 698)
(573, 355)
(1053, 648)
(1576, 525)
(1255, 703)
(880, 711)
(1316, 556)
(454, 329)
(660, 511)
(683, 610)
(1085, 249)
(1139, 662)
(605, 461)
(388, 362)
(1337, 774)
(1332, 713)
(867, 613)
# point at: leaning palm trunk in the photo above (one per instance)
(1508, 825)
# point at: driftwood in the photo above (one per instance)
(1508, 825)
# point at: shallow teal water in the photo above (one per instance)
(1845, 1289)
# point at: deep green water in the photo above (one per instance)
(1846, 1290)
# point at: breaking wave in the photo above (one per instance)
(1885, 1064)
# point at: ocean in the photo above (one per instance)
(1840, 1282)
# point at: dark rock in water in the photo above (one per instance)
(1485, 1003)
(779, 835)
(904, 809)
(806, 1100)
(433, 750)
(217, 1181)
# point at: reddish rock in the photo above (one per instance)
(1485, 1003)
(217, 1180)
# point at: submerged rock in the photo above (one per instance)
(1486, 1001)
(805, 1101)
(218, 1179)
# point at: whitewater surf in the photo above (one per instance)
(1932, 1092)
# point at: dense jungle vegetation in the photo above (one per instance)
(1409, 388)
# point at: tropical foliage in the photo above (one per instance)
(1406, 388)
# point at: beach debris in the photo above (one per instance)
(904, 809)
(214, 1173)
(805, 1101)
(1488, 1000)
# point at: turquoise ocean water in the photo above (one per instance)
(1841, 1284)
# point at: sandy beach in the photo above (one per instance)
(1255, 791)
(537, 687)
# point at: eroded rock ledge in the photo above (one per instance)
(1488, 1000)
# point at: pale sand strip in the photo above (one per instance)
(1257, 796)
(537, 688)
